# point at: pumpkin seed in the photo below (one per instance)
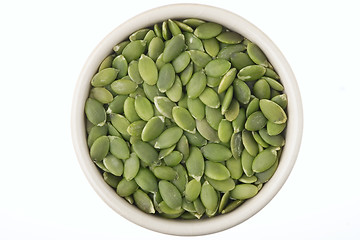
(208, 30)
(95, 112)
(145, 152)
(234, 167)
(251, 72)
(100, 148)
(118, 147)
(230, 37)
(216, 171)
(175, 92)
(195, 163)
(217, 67)
(212, 46)
(195, 139)
(146, 180)
(207, 131)
(192, 190)
(165, 173)
(192, 42)
(104, 77)
(173, 159)
(166, 77)
(114, 165)
(168, 137)
(208, 196)
(255, 121)
(164, 106)
(236, 145)
(123, 86)
(101, 94)
(174, 48)
(196, 85)
(199, 58)
(210, 98)
(134, 50)
(131, 167)
(272, 111)
(170, 194)
(241, 91)
(244, 191)
(256, 54)
(143, 202)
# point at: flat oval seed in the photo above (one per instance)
(193, 22)
(227, 80)
(95, 112)
(196, 108)
(181, 62)
(151, 91)
(208, 30)
(100, 148)
(249, 143)
(216, 171)
(196, 85)
(261, 89)
(95, 133)
(119, 148)
(111, 180)
(168, 138)
(173, 49)
(210, 98)
(101, 94)
(244, 191)
(165, 173)
(230, 37)
(246, 179)
(139, 34)
(134, 50)
(251, 72)
(120, 123)
(148, 70)
(149, 36)
(131, 167)
(112, 130)
(173, 159)
(232, 111)
(166, 34)
(175, 92)
(133, 71)
(212, 46)
(275, 129)
(120, 64)
(224, 201)
(256, 54)
(227, 51)
(114, 165)
(265, 176)
(213, 117)
(259, 140)
(166, 77)
(246, 163)
(227, 100)
(166, 151)
(217, 67)
(174, 28)
(240, 60)
(184, 26)
(183, 147)
(183, 119)
(199, 58)
(264, 160)
(173, 213)
(129, 110)
(236, 145)
(157, 30)
(241, 91)
(117, 105)
(213, 81)
(255, 121)
(276, 141)
(118, 48)
(135, 128)
(170, 194)
(239, 123)
(206, 130)
(209, 196)
(234, 167)
(104, 77)
(143, 108)
(192, 42)
(222, 185)
(126, 188)
(153, 128)
(225, 130)
(196, 139)
(272, 111)
(164, 106)
(252, 107)
(156, 47)
(195, 163)
(182, 178)
(106, 63)
(281, 100)
(146, 180)
(216, 152)
(123, 86)
(192, 190)
(186, 75)
(143, 202)
(272, 74)
(145, 152)
(273, 83)
(231, 206)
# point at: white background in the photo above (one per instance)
(45, 195)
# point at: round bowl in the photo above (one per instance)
(293, 131)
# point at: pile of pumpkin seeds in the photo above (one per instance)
(186, 118)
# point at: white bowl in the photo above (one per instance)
(293, 131)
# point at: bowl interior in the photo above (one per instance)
(293, 131)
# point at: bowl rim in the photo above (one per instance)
(293, 134)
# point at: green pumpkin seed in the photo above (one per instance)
(174, 28)
(246, 179)
(227, 100)
(145, 152)
(199, 58)
(222, 185)
(166, 77)
(281, 100)
(135, 128)
(252, 107)
(95, 112)
(195, 163)
(157, 30)
(192, 190)
(210, 98)
(143, 108)
(272, 111)
(134, 50)
(106, 63)
(165, 173)
(151, 91)
(183, 147)
(117, 105)
(196, 85)
(261, 89)
(249, 142)
(111, 180)
(121, 65)
(230, 37)
(113, 131)
(233, 111)
(208, 30)
(217, 67)
(183, 101)
(192, 42)
(143, 202)
(164, 106)
(166, 151)
(168, 138)
(207, 131)
(275, 129)
(271, 73)
(246, 162)
(273, 84)
(156, 47)
(244, 191)
(241, 91)
(231, 206)
(234, 167)
(186, 75)
(138, 92)
(104, 77)
(236, 145)
(251, 72)
(175, 92)
(131, 167)
(139, 34)
(213, 117)
(173, 159)
(240, 60)
(216, 171)
(257, 55)
(264, 160)
(146, 180)
(213, 81)
(114, 165)
(225, 130)
(181, 62)
(209, 196)
(149, 36)
(211, 46)
(239, 123)
(216, 152)
(118, 48)
(165, 209)
(265, 176)
(118, 147)
(100, 148)
(123, 86)
(259, 140)
(183, 119)
(196, 108)
(195, 139)
(148, 70)
(255, 121)
(101, 165)
(227, 80)
(101, 94)
(153, 128)
(184, 26)
(120, 123)
(174, 48)
(276, 141)
(182, 178)
(166, 34)
(228, 51)
(170, 194)
(193, 22)
(224, 201)
(95, 133)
